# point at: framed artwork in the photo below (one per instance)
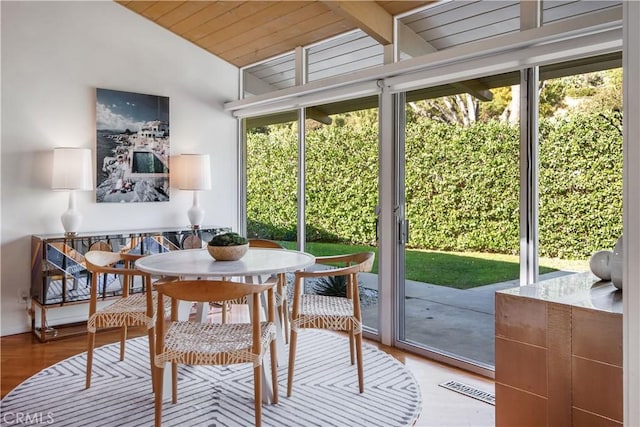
(132, 147)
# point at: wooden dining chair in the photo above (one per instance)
(282, 294)
(192, 242)
(194, 343)
(331, 312)
(130, 309)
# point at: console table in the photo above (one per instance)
(559, 353)
(59, 277)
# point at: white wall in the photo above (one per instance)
(54, 56)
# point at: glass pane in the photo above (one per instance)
(344, 54)
(580, 174)
(268, 76)
(272, 177)
(558, 10)
(461, 179)
(446, 24)
(342, 190)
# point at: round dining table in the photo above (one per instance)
(198, 263)
(254, 267)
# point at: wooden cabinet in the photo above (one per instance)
(559, 354)
(59, 277)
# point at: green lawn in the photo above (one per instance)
(453, 269)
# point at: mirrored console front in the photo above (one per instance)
(59, 276)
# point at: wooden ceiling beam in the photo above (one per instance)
(411, 43)
(467, 87)
(369, 16)
(414, 45)
(255, 85)
(318, 115)
(287, 116)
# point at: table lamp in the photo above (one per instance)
(195, 175)
(72, 171)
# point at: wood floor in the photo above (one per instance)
(23, 356)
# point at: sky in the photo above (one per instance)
(116, 110)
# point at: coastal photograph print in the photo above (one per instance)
(132, 147)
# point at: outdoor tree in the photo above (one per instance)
(460, 109)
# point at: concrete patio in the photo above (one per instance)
(452, 321)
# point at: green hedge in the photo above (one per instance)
(580, 185)
(272, 183)
(462, 185)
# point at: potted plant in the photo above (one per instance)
(228, 246)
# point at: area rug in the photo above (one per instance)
(325, 391)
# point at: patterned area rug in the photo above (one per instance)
(325, 391)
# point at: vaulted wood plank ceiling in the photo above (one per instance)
(246, 32)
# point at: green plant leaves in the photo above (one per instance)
(462, 184)
(228, 239)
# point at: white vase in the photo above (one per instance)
(616, 264)
(600, 264)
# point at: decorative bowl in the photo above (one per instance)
(227, 253)
(616, 264)
(600, 264)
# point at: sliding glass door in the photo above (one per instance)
(459, 181)
(338, 181)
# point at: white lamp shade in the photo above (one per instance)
(72, 169)
(195, 172)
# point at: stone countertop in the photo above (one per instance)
(579, 290)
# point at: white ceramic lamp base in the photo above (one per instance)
(195, 212)
(71, 218)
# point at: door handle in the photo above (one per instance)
(376, 222)
(403, 231)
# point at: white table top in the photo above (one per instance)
(198, 262)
